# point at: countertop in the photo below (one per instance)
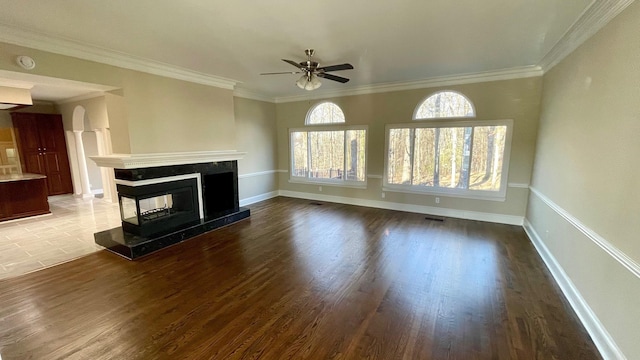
(20, 177)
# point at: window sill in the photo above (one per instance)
(456, 194)
(353, 185)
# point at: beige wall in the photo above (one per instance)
(510, 99)
(96, 112)
(587, 163)
(155, 114)
(168, 115)
(256, 135)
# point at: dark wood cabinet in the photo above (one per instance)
(22, 198)
(43, 149)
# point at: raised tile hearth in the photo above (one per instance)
(163, 205)
(132, 246)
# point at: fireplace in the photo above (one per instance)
(154, 208)
(164, 205)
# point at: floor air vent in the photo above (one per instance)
(434, 218)
(315, 203)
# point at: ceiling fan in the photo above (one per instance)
(311, 72)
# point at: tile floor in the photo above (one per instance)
(36, 243)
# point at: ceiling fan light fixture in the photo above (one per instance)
(308, 82)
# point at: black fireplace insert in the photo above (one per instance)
(155, 208)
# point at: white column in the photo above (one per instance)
(82, 165)
(73, 162)
(104, 172)
(112, 176)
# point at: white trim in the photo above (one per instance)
(373, 176)
(328, 182)
(135, 161)
(97, 191)
(421, 209)
(470, 78)
(473, 107)
(500, 195)
(40, 41)
(599, 334)
(169, 179)
(307, 119)
(595, 17)
(609, 248)
(258, 198)
(259, 173)
(248, 94)
(282, 171)
(518, 185)
(329, 127)
(446, 192)
(82, 97)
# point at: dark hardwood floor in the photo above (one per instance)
(302, 281)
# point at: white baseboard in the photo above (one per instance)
(600, 336)
(461, 214)
(258, 198)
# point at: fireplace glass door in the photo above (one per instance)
(146, 210)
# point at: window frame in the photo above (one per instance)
(307, 118)
(473, 107)
(499, 195)
(330, 182)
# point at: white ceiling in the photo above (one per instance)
(386, 41)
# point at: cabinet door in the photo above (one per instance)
(4, 203)
(54, 154)
(43, 149)
(28, 139)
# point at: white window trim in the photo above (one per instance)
(330, 182)
(415, 111)
(314, 107)
(500, 195)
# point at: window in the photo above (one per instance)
(465, 158)
(445, 104)
(325, 113)
(330, 154)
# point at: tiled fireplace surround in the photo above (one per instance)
(213, 184)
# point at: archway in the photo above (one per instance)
(91, 137)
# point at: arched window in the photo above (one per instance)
(453, 157)
(329, 154)
(445, 104)
(325, 113)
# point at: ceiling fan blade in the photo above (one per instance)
(333, 77)
(283, 72)
(335, 67)
(294, 64)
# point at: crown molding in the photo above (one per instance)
(80, 50)
(247, 94)
(136, 161)
(595, 17)
(73, 99)
(485, 76)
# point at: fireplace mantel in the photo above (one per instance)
(136, 161)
